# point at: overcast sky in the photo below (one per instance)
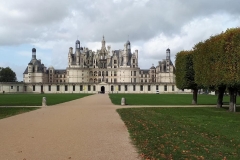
(151, 25)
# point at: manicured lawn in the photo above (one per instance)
(36, 99)
(165, 99)
(184, 133)
(7, 112)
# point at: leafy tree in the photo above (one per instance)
(208, 65)
(216, 64)
(7, 75)
(185, 73)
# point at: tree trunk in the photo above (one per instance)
(232, 103)
(194, 100)
(221, 91)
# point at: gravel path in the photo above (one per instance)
(87, 128)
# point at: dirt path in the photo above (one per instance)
(87, 128)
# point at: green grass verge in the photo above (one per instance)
(183, 133)
(165, 99)
(11, 111)
(36, 99)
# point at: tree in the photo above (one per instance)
(185, 73)
(7, 75)
(208, 65)
(216, 64)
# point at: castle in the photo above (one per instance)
(105, 71)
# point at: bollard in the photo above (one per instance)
(123, 101)
(44, 101)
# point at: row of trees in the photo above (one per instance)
(7, 75)
(213, 64)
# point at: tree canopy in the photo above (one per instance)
(185, 73)
(216, 63)
(7, 75)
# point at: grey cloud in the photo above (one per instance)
(37, 20)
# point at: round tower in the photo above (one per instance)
(103, 43)
(77, 45)
(128, 44)
(34, 53)
(168, 54)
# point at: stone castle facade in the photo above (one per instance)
(104, 70)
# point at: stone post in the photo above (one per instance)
(123, 101)
(44, 101)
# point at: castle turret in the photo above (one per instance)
(168, 60)
(34, 53)
(128, 45)
(70, 56)
(103, 43)
(77, 45)
(168, 54)
(30, 67)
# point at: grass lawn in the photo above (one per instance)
(165, 99)
(7, 112)
(36, 99)
(184, 133)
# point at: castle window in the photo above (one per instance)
(126, 88)
(173, 88)
(73, 87)
(25, 88)
(33, 87)
(165, 87)
(112, 88)
(49, 87)
(149, 88)
(89, 87)
(115, 80)
(133, 60)
(66, 88)
(119, 87)
(156, 87)
(115, 61)
(141, 87)
(94, 88)
(58, 88)
(134, 88)
(135, 73)
(81, 88)
(11, 87)
(135, 80)
(133, 66)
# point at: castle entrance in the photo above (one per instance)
(102, 89)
